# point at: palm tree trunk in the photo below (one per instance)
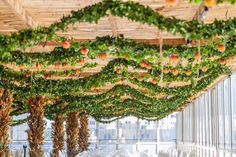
(83, 133)
(6, 99)
(72, 128)
(58, 135)
(36, 126)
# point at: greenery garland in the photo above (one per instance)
(121, 100)
(79, 86)
(107, 106)
(117, 47)
(131, 10)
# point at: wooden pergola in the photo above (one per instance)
(16, 15)
(21, 14)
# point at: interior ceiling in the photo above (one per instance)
(20, 14)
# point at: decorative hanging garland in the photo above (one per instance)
(78, 53)
(108, 106)
(31, 87)
(148, 99)
(131, 10)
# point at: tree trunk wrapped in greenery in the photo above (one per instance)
(83, 133)
(36, 126)
(72, 129)
(58, 135)
(5, 120)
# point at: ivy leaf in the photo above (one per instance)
(6, 56)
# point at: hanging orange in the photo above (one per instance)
(66, 44)
(84, 51)
(102, 55)
(175, 72)
(221, 47)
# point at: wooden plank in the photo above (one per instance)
(16, 5)
(166, 41)
(113, 23)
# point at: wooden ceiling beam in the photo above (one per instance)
(113, 23)
(166, 41)
(19, 9)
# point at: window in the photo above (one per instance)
(220, 105)
(233, 100)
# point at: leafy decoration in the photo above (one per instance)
(150, 94)
(131, 10)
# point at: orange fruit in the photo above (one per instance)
(188, 72)
(84, 51)
(209, 3)
(175, 72)
(171, 3)
(140, 78)
(81, 61)
(143, 63)
(173, 58)
(102, 55)
(77, 71)
(66, 44)
(204, 68)
(148, 66)
(222, 61)
(165, 70)
(154, 80)
(197, 56)
(221, 47)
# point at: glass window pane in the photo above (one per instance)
(19, 131)
(233, 96)
(168, 129)
(221, 115)
(92, 129)
(128, 130)
(148, 131)
(107, 132)
(227, 115)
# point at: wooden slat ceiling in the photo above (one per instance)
(45, 12)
